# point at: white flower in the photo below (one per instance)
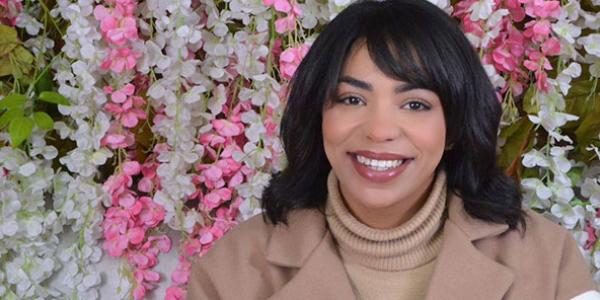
(443, 4)
(592, 21)
(551, 120)
(566, 30)
(31, 25)
(563, 194)
(27, 169)
(534, 184)
(9, 228)
(39, 44)
(249, 208)
(341, 2)
(535, 158)
(561, 164)
(570, 11)
(255, 185)
(591, 43)
(569, 215)
(495, 78)
(591, 190)
(481, 9)
(564, 78)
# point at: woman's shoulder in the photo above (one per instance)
(540, 229)
(253, 236)
(252, 250)
(249, 236)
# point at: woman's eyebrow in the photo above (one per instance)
(404, 87)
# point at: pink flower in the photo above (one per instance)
(9, 10)
(152, 214)
(211, 139)
(146, 184)
(516, 10)
(285, 24)
(115, 247)
(537, 30)
(541, 8)
(119, 96)
(115, 28)
(182, 271)
(290, 59)
(192, 247)
(161, 242)
(216, 197)
(551, 47)
(129, 113)
(226, 128)
(116, 221)
(591, 237)
(131, 168)
(121, 59)
(175, 293)
(282, 6)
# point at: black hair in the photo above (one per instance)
(416, 42)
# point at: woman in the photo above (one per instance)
(391, 190)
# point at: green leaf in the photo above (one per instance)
(577, 102)
(19, 130)
(578, 202)
(9, 115)
(43, 120)
(12, 101)
(530, 104)
(24, 59)
(575, 174)
(518, 141)
(589, 128)
(54, 97)
(6, 66)
(45, 82)
(8, 39)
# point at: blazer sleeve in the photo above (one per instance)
(200, 284)
(574, 275)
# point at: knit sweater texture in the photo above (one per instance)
(392, 263)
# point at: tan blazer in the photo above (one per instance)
(478, 261)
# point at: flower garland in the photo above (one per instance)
(138, 129)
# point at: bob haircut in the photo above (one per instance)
(416, 42)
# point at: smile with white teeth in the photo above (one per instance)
(379, 165)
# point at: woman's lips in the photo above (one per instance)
(378, 176)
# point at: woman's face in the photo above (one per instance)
(384, 140)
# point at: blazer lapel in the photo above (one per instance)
(462, 271)
(307, 245)
(321, 277)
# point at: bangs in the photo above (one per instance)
(406, 45)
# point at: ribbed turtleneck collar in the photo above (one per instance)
(412, 244)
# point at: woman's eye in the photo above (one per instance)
(351, 100)
(415, 105)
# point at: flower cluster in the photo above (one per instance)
(168, 131)
(119, 29)
(9, 10)
(490, 26)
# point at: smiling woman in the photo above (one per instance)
(384, 139)
(392, 189)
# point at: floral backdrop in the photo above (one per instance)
(123, 120)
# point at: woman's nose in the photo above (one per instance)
(381, 125)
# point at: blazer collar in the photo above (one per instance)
(307, 244)
(461, 272)
(290, 246)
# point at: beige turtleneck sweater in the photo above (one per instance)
(393, 263)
